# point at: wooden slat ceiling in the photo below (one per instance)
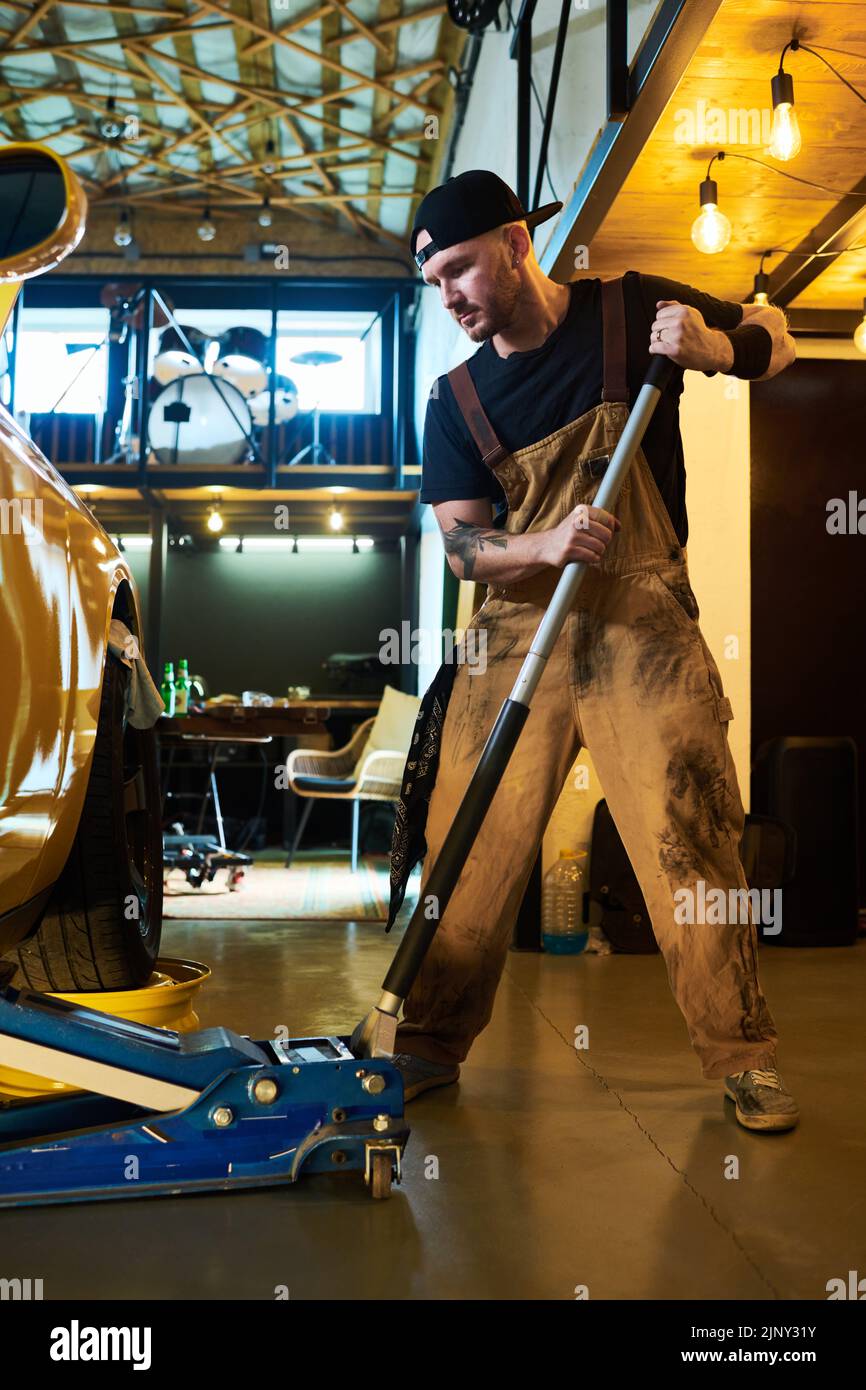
(648, 227)
(202, 86)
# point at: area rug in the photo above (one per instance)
(320, 890)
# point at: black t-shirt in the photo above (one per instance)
(529, 395)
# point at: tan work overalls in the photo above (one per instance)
(631, 679)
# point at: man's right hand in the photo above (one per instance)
(584, 535)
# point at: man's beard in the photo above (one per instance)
(500, 310)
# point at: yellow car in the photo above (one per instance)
(80, 828)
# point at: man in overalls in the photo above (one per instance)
(630, 678)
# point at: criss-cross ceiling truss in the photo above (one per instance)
(332, 110)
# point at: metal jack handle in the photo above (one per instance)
(375, 1034)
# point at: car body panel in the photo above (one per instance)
(59, 573)
(59, 578)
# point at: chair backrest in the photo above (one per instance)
(393, 726)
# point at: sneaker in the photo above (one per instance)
(761, 1100)
(420, 1075)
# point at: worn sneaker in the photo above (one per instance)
(420, 1075)
(761, 1100)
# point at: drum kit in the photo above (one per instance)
(214, 413)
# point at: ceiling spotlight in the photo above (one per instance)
(759, 293)
(110, 128)
(265, 214)
(335, 519)
(860, 332)
(785, 141)
(123, 231)
(711, 230)
(215, 521)
(206, 229)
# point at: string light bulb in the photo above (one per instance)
(123, 231)
(206, 229)
(860, 332)
(759, 292)
(785, 139)
(711, 229)
(110, 127)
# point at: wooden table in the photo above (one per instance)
(294, 719)
(217, 725)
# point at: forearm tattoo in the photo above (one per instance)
(465, 540)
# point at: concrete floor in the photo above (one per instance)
(557, 1168)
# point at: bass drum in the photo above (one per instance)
(199, 419)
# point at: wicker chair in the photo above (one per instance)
(352, 773)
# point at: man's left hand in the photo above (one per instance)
(686, 340)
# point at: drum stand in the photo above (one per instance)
(317, 451)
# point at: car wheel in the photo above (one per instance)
(102, 926)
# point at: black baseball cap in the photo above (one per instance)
(466, 206)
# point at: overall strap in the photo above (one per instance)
(613, 326)
(492, 452)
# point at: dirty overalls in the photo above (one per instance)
(631, 679)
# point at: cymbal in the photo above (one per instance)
(317, 359)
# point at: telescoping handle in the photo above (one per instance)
(512, 716)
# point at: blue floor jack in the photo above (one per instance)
(155, 1112)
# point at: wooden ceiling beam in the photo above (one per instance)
(279, 38)
(36, 15)
(387, 26)
(280, 107)
(380, 126)
(140, 12)
(193, 136)
(152, 76)
(363, 30)
(309, 17)
(69, 46)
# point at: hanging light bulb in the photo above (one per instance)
(335, 519)
(759, 293)
(785, 140)
(206, 229)
(860, 332)
(215, 521)
(711, 230)
(123, 231)
(268, 167)
(109, 126)
(265, 215)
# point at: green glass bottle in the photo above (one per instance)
(183, 685)
(168, 689)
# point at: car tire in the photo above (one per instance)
(102, 925)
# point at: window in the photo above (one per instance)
(353, 383)
(62, 361)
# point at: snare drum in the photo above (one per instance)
(199, 419)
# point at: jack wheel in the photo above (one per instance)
(381, 1169)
